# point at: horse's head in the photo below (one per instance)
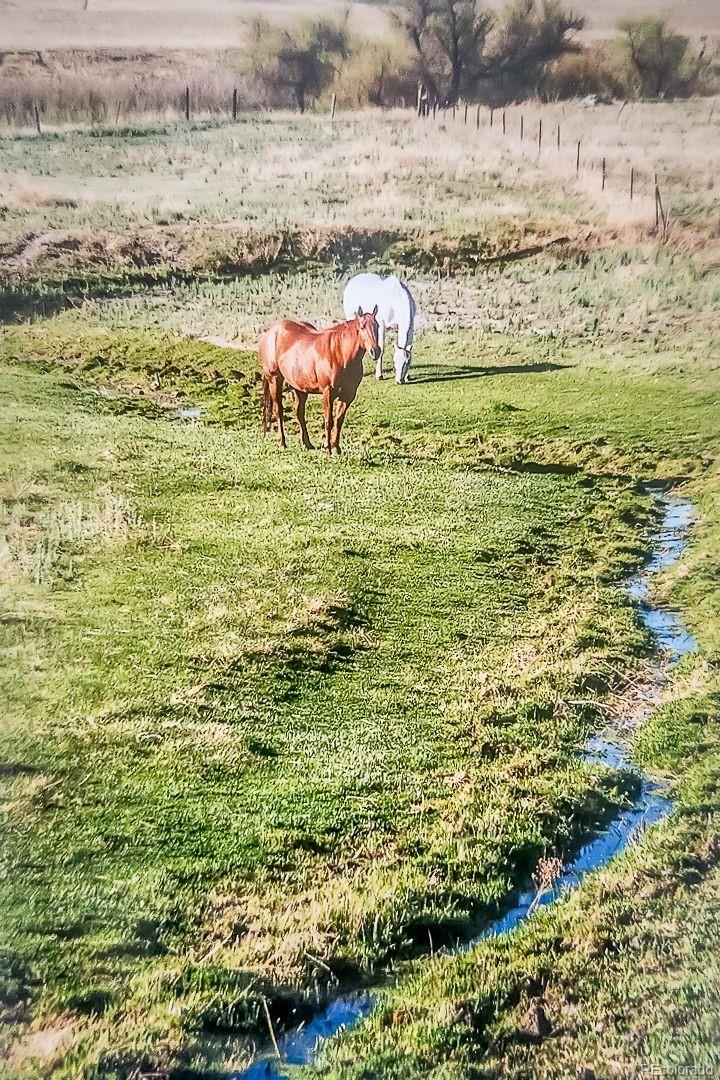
(368, 331)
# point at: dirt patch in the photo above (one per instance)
(58, 247)
(228, 251)
(42, 1044)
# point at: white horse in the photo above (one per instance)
(396, 308)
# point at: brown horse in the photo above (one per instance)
(327, 362)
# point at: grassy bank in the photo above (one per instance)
(568, 993)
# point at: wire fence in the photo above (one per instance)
(540, 138)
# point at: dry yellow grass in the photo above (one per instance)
(166, 24)
(56, 24)
(694, 17)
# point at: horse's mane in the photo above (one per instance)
(338, 329)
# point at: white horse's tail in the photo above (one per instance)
(406, 319)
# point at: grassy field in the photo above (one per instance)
(274, 723)
(272, 193)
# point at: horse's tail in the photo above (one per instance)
(266, 363)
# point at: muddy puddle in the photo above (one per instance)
(302, 1044)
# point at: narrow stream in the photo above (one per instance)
(301, 1045)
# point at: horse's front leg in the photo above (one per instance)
(342, 408)
(328, 417)
(381, 346)
(300, 402)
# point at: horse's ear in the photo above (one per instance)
(374, 311)
(359, 312)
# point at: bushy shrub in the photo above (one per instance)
(657, 62)
(581, 74)
(376, 73)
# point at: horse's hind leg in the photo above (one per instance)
(276, 394)
(266, 405)
(381, 346)
(300, 402)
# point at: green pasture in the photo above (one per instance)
(275, 724)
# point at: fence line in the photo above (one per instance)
(606, 172)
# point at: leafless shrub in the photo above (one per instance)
(547, 871)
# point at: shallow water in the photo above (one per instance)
(301, 1045)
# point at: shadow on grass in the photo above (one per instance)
(10, 769)
(436, 375)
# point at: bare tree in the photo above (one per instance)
(300, 60)
(448, 38)
(463, 50)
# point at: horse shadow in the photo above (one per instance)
(467, 371)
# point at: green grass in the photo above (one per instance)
(237, 674)
(266, 672)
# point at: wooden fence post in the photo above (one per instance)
(539, 136)
(558, 137)
(492, 114)
(577, 159)
(603, 175)
(503, 121)
(38, 125)
(632, 183)
(657, 208)
(187, 103)
(522, 127)
(477, 118)
(465, 117)
(235, 103)
(660, 211)
(332, 108)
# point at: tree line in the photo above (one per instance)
(461, 50)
